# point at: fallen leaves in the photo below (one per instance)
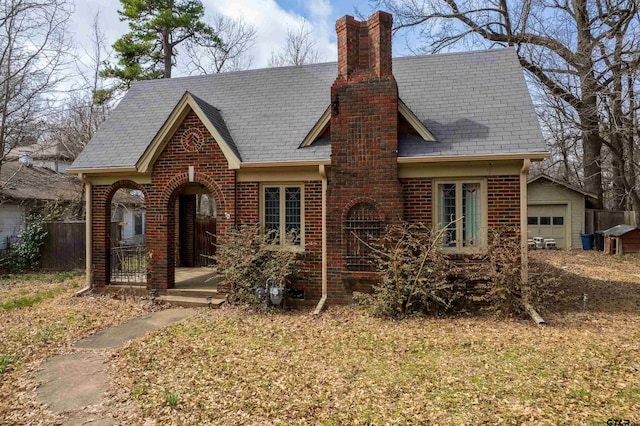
(233, 366)
(31, 333)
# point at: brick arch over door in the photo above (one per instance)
(101, 226)
(172, 189)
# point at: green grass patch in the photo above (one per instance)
(5, 361)
(26, 301)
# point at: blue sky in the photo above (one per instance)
(270, 17)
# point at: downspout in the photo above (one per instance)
(88, 237)
(524, 249)
(235, 199)
(524, 260)
(323, 299)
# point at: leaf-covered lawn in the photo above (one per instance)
(39, 317)
(234, 366)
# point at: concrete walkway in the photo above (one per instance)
(73, 384)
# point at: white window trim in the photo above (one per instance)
(282, 186)
(484, 217)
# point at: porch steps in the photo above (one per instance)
(195, 292)
(191, 301)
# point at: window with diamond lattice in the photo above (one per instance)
(281, 214)
(362, 228)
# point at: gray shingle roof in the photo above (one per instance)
(473, 103)
(215, 117)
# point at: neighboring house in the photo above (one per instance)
(25, 187)
(332, 152)
(52, 156)
(129, 214)
(556, 210)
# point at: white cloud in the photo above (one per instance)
(272, 22)
(270, 19)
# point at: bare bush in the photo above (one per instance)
(505, 293)
(415, 276)
(247, 258)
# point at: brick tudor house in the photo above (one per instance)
(327, 150)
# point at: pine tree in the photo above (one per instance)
(148, 51)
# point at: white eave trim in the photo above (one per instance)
(403, 109)
(145, 163)
(415, 122)
(317, 129)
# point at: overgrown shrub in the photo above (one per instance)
(505, 293)
(415, 276)
(247, 258)
(25, 254)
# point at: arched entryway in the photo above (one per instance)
(119, 234)
(183, 236)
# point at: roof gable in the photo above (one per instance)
(210, 117)
(561, 183)
(324, 122)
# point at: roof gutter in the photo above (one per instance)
(88, 235)
(537, 156)
(323, 174)
(120, 169)
(298, 163)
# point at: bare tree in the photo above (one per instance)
(87, 106)
(33, 48)
(300, 48)
(231, 53)
(558, 43)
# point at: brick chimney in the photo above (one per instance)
(364, 140)
(364, 46)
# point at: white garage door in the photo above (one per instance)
(548, 221)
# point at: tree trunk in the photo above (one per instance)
(588, 109)
(167, 50)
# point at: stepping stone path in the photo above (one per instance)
(73, 384)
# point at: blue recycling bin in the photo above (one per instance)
(587, 241)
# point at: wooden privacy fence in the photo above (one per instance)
(601, 220)
(205, 241)
(64, 246)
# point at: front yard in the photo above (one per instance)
(236, 366)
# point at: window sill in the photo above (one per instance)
(297, 249)
(464, 251)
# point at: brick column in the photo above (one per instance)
(100, 229)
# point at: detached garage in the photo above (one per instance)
(556, 210)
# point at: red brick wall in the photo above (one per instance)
(418, 204)
(311, 279)
(248, 206)
(503, 201)
(311, 270)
